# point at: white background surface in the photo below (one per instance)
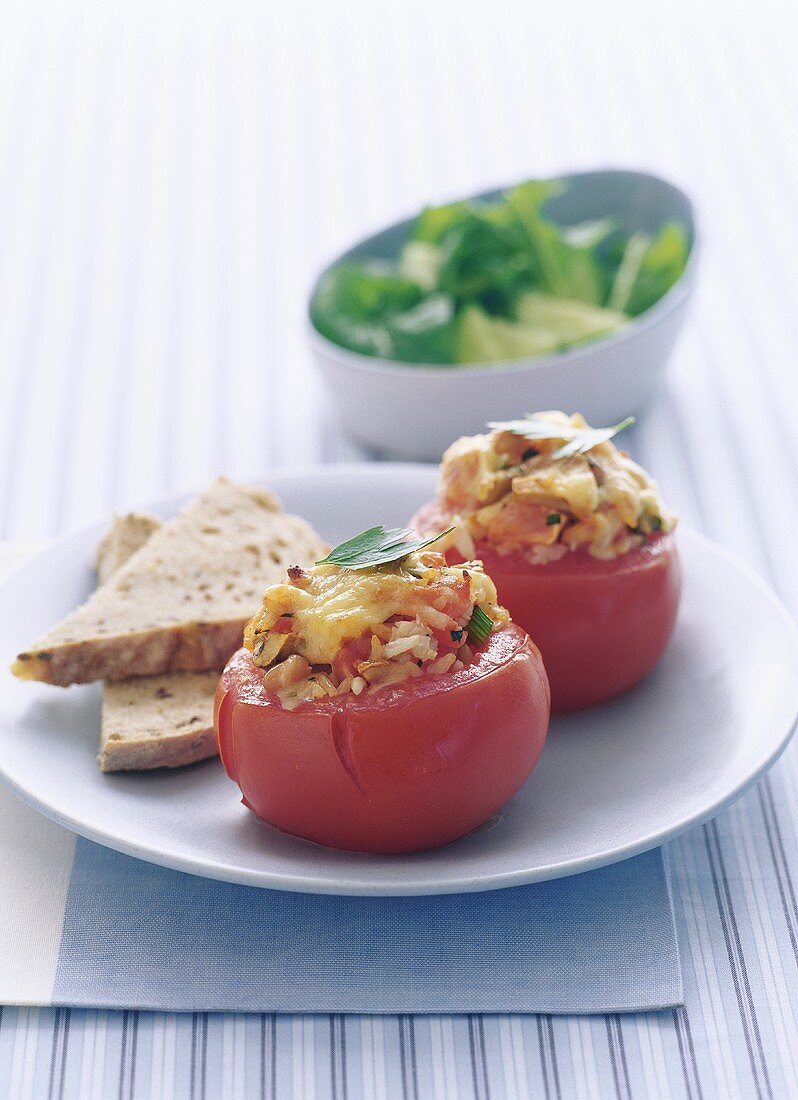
(171, 176)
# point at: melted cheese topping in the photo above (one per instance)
(396, 613)
(513, 493)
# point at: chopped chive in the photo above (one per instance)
(553, 518)
(457, 635)
(479, 626)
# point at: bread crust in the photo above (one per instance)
(181, 601)
(195, 647)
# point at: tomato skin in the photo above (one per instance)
(411, 767)
(600, 625)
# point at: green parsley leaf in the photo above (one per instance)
(479, 626)
(378, 546)
(552, 519)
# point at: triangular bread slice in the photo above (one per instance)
(154, 721)
(181, 602)
(126, 535)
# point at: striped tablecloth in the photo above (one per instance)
(170, 178)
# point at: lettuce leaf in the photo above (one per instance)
(425, 333)
(364, 292)
(369, 309)
(484, 339)
(566, 270)
(481, 281)
(572, 321)
(434, 222)
(484, 260)
(649, 268)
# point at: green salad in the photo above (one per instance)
(480, 282)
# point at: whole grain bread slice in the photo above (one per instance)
(126, 535)
(153, 721)
(180, 602)
(158, 722)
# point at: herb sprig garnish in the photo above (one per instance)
(378, 546)
(576, 441)
(535, 427)
(591, 437)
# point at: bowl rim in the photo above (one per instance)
(675, 296)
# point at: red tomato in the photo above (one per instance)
(600, 625)
(410, 767)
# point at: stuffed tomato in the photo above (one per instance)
(382, 708)
(578, 542)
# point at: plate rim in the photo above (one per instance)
(363, 885)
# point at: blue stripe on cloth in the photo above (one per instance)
(140, 936)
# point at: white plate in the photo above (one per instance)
(612, 782)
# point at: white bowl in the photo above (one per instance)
(415, 411)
